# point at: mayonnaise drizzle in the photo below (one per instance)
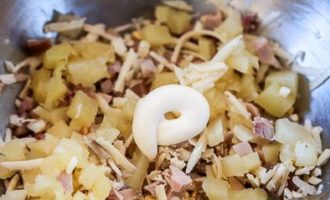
(151, 128)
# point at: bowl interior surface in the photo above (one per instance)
(302, 26)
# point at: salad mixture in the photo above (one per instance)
(181, 106)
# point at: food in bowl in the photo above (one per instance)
(181, 106)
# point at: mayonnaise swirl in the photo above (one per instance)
(151, 128)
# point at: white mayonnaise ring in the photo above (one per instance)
(151, 128)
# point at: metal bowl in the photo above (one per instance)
(303, 25)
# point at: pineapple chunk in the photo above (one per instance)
(215, 189)
(242, 133)
(53, 116)
(95, 50)
(42, 148)
(162, 13)
(217, 102)
(249, 89)
(284, 78)
(14, 195)
(82, 109)
(240, 63)
(215, 132)
(230, 28)
(271, 152)
(39, 82)
(11, 151)
(60, 129)
(14, 150)
(44, 187)
(74, 149)
(156, 35)
(178, 21)
(90, 175)
(57, 54)
(141, 162)
(87, 72)
(53, 165)
(102, 187)
(305, 153)
(55, 90)
(290, 133)
(273, 102)
(248, 194)
(164, 78)
(252, 161)
(207, 47)
(117, 119)
(29, 176)
(232, 165)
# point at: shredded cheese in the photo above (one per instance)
(22, 165)
(188, 35)
(72, 164)
(64, 26)
(117, 156)
(197, 152)
(8, 79)
(127, 65)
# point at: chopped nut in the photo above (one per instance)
(37, 126)
(317, 172)
(143, 49)
(323, 158)
(305, 170)
(288, 193)
(296, 195)
(314, 180)
(294, 117)
(303, 186)
(13, 183)
(255, 182)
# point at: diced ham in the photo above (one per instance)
(115, 195)
(263, 128)
(140, 89)
(38, 136)
(178, 180)
(26, 105)
(125, 194)
(211, 21)
(106, 86)
(114, 68)
(38, 46)
(97, 149)
(243, 148)
(151, 188)
(235, 184)
(250, 22)
(251, 108)
(264, 51)
(20, 77)
(128, 194)
(66, 180)
(148, 68)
